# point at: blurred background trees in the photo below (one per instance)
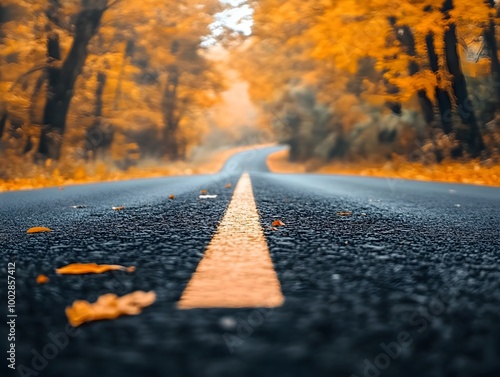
(125, 80)
(107, 79)
(348, 79)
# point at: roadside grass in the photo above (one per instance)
(471, 172)
(25, 176)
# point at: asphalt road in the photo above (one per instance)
(408, 285)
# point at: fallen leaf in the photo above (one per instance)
(120, 208)
(228, 186)
(344, 213)
(38, 229)
(91, 268)
(203, 192)
(171, 197)
(109, 306)
(42, 279)
(278, 223)
(207, 196)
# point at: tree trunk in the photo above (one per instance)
(293, 122)
(491, 43)
(128, 52)
(470, 135)
(405, 36)
(170, 117)
(101, 81)
(61, 81)
(443, 98)
(394, 106)
(3, 122)
(99, 136)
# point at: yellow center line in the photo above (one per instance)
(236, 270)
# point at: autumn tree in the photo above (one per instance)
(413, 49)
(106, 79)
(62, 77)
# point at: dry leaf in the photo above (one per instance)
(120, 208)
(278, 223)
(91, 268)
(203, 192)
(344, 213)
(228, 185)
(42, 279)
(38, 229)
(109, 306)
(171, 197)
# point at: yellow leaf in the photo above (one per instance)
(42, 279)
(91, 268)
(38, 229)
(344, 213)
(278, 223)
(109, 306)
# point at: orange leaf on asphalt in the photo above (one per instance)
(171, 197)
(91, 268)
(42, 279)
(203, 192)
(228, 185)
(278, 223)
(119, 208)
(109, 306)
(344, 213)
(38, 229)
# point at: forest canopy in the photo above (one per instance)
(350, 79)
(121, 81)
(101, 78)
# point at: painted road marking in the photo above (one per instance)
(236, 270)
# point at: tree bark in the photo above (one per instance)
(128, 52)
(170, 117)
(101, 81)
(470, 135)
(490, 40)
(405, 36)
(443, 98)
(3, 122)
(61, 81)
(99, 136)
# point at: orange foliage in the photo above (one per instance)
(38, 229)
(277, 223)
(471, 172)
(208, 163)
(109, 306)
(91, 268)
(42, 279)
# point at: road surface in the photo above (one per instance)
(369, 277)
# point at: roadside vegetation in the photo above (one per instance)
(100, 89)
(350, 82)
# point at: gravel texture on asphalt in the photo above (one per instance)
(380, 277)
